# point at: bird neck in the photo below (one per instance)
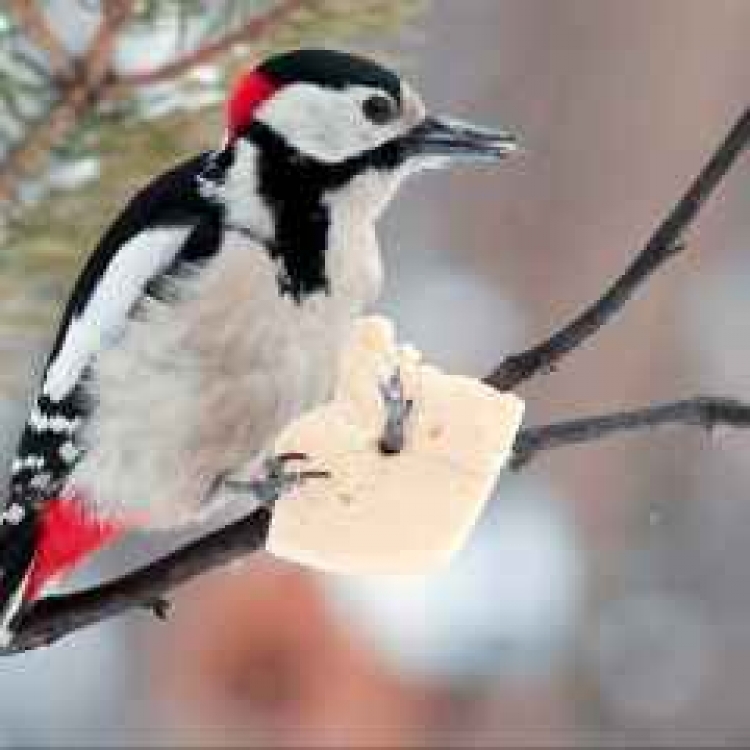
(316, 221)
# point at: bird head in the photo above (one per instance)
(330, 122)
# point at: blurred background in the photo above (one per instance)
(604, 597)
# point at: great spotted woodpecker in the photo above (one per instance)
(212, 311)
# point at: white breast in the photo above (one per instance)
(197, 388)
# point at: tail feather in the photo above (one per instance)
(38, 545)
(19, 533)
(67, 532)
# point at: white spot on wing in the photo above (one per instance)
(27, 462)
(136, 262)
(41, 481)
(55, 423)
(68, 452)
(13, 515)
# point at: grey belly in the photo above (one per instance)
(199, 410)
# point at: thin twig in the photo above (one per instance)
(703, 411)
(31, 19)
(94, 80)
(665, 243)
(78, 96)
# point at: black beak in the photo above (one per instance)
(454, 139)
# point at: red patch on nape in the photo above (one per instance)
(250, 91)
(67, 533)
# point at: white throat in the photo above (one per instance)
(352, 256)
(239, 194)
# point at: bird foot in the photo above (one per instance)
(276, 478)
(397, 411)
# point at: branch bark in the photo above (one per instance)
(79, 94)
(32, 20)
(52, 618)
(665, 243)
(702, 411)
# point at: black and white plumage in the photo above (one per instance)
(213, 310)
(178, 227)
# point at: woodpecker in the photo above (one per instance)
(212, 311)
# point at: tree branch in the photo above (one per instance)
(52, 618)
(703, 411)
(75, 100)
(90, 79)
(55, 617)
(32, 20)
(665, 243)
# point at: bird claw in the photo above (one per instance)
(276, 479)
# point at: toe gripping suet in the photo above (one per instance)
(276, 480)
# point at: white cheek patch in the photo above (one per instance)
(105, 314)
(327, 124)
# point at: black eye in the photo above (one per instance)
(380, 109)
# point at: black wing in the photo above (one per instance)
(47, 451)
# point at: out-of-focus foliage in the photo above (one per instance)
(178, 27)
(125, 140)
(48, 242)
(25, 87)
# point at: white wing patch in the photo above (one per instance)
(138, 261)
(57, 423)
